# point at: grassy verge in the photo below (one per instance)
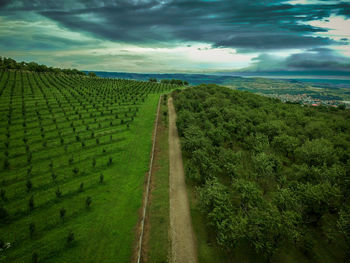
(158, 212)
(208, 250)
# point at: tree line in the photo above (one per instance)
(9, 63)
(170, 81)
(269, 174)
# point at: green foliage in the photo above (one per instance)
(70, 237)
(3, 214)
(62, 213)
(88, 201)
(31, 203)
(269, 174)
(92, 74)
(31, 229)
(35, 257)
(9, 63)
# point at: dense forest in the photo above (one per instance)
(272, 176)
(9, 63)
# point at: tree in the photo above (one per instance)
(31, 229)
(31, 203)
(58, 192)
(88, 201)
(35, 257)
(81, 187)
(29, 185)
(316, 152)
(92, 74)
(70, 237)
(101, 178)
(285, 144)
(3, 194)
(3, 214)
(343, 224)
(62, 213)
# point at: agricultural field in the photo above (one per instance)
(74, 151)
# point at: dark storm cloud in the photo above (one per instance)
(321, 59)
(250, 25)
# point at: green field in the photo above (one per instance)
(68, 139)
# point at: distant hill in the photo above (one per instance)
(193, 79)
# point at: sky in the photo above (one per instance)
(178, 36)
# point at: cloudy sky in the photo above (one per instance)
(178, 35)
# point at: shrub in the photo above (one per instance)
(81, 187)
(88, 201)
(29, 157)
(70, 237)
(31, 229)
(75, 170)
(31, 203)
(29, 185)
(53, 176)
(2, 244)
(35, 257)
(3, 194)
(70, 161)
(58, 193)
(62, 213)
(109, 160)
(93, 162)
(3, 214)
(6, 164)
(101, 178)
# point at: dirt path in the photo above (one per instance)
(183, 247)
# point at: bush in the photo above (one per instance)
(35, 257)
(62, 213)
(101, 178)
(81, 187)
(31, 203)
(3, 214)
(29, 185)
(75, 170)
(2, 244)
(53, 176)
(70, 237)
(3, 194)
(31, 229)
(58, 193)
(88, 201)
(6, 164)
(109, 160)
